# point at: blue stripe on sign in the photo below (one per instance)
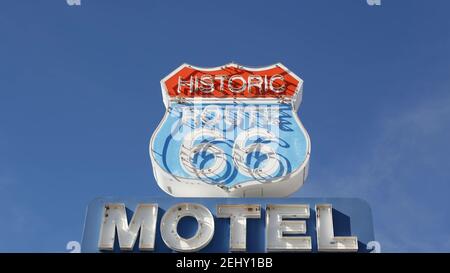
(290, 143)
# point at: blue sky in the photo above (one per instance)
(80, 98)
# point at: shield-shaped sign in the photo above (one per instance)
(230, 131)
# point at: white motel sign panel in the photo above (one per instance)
(228, 225)
(228, 148)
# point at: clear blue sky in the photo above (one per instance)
(80, 98)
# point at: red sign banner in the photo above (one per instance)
(232, 81)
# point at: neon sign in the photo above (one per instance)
(230, 131)
(228, 225)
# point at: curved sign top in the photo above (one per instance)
(232, 81)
